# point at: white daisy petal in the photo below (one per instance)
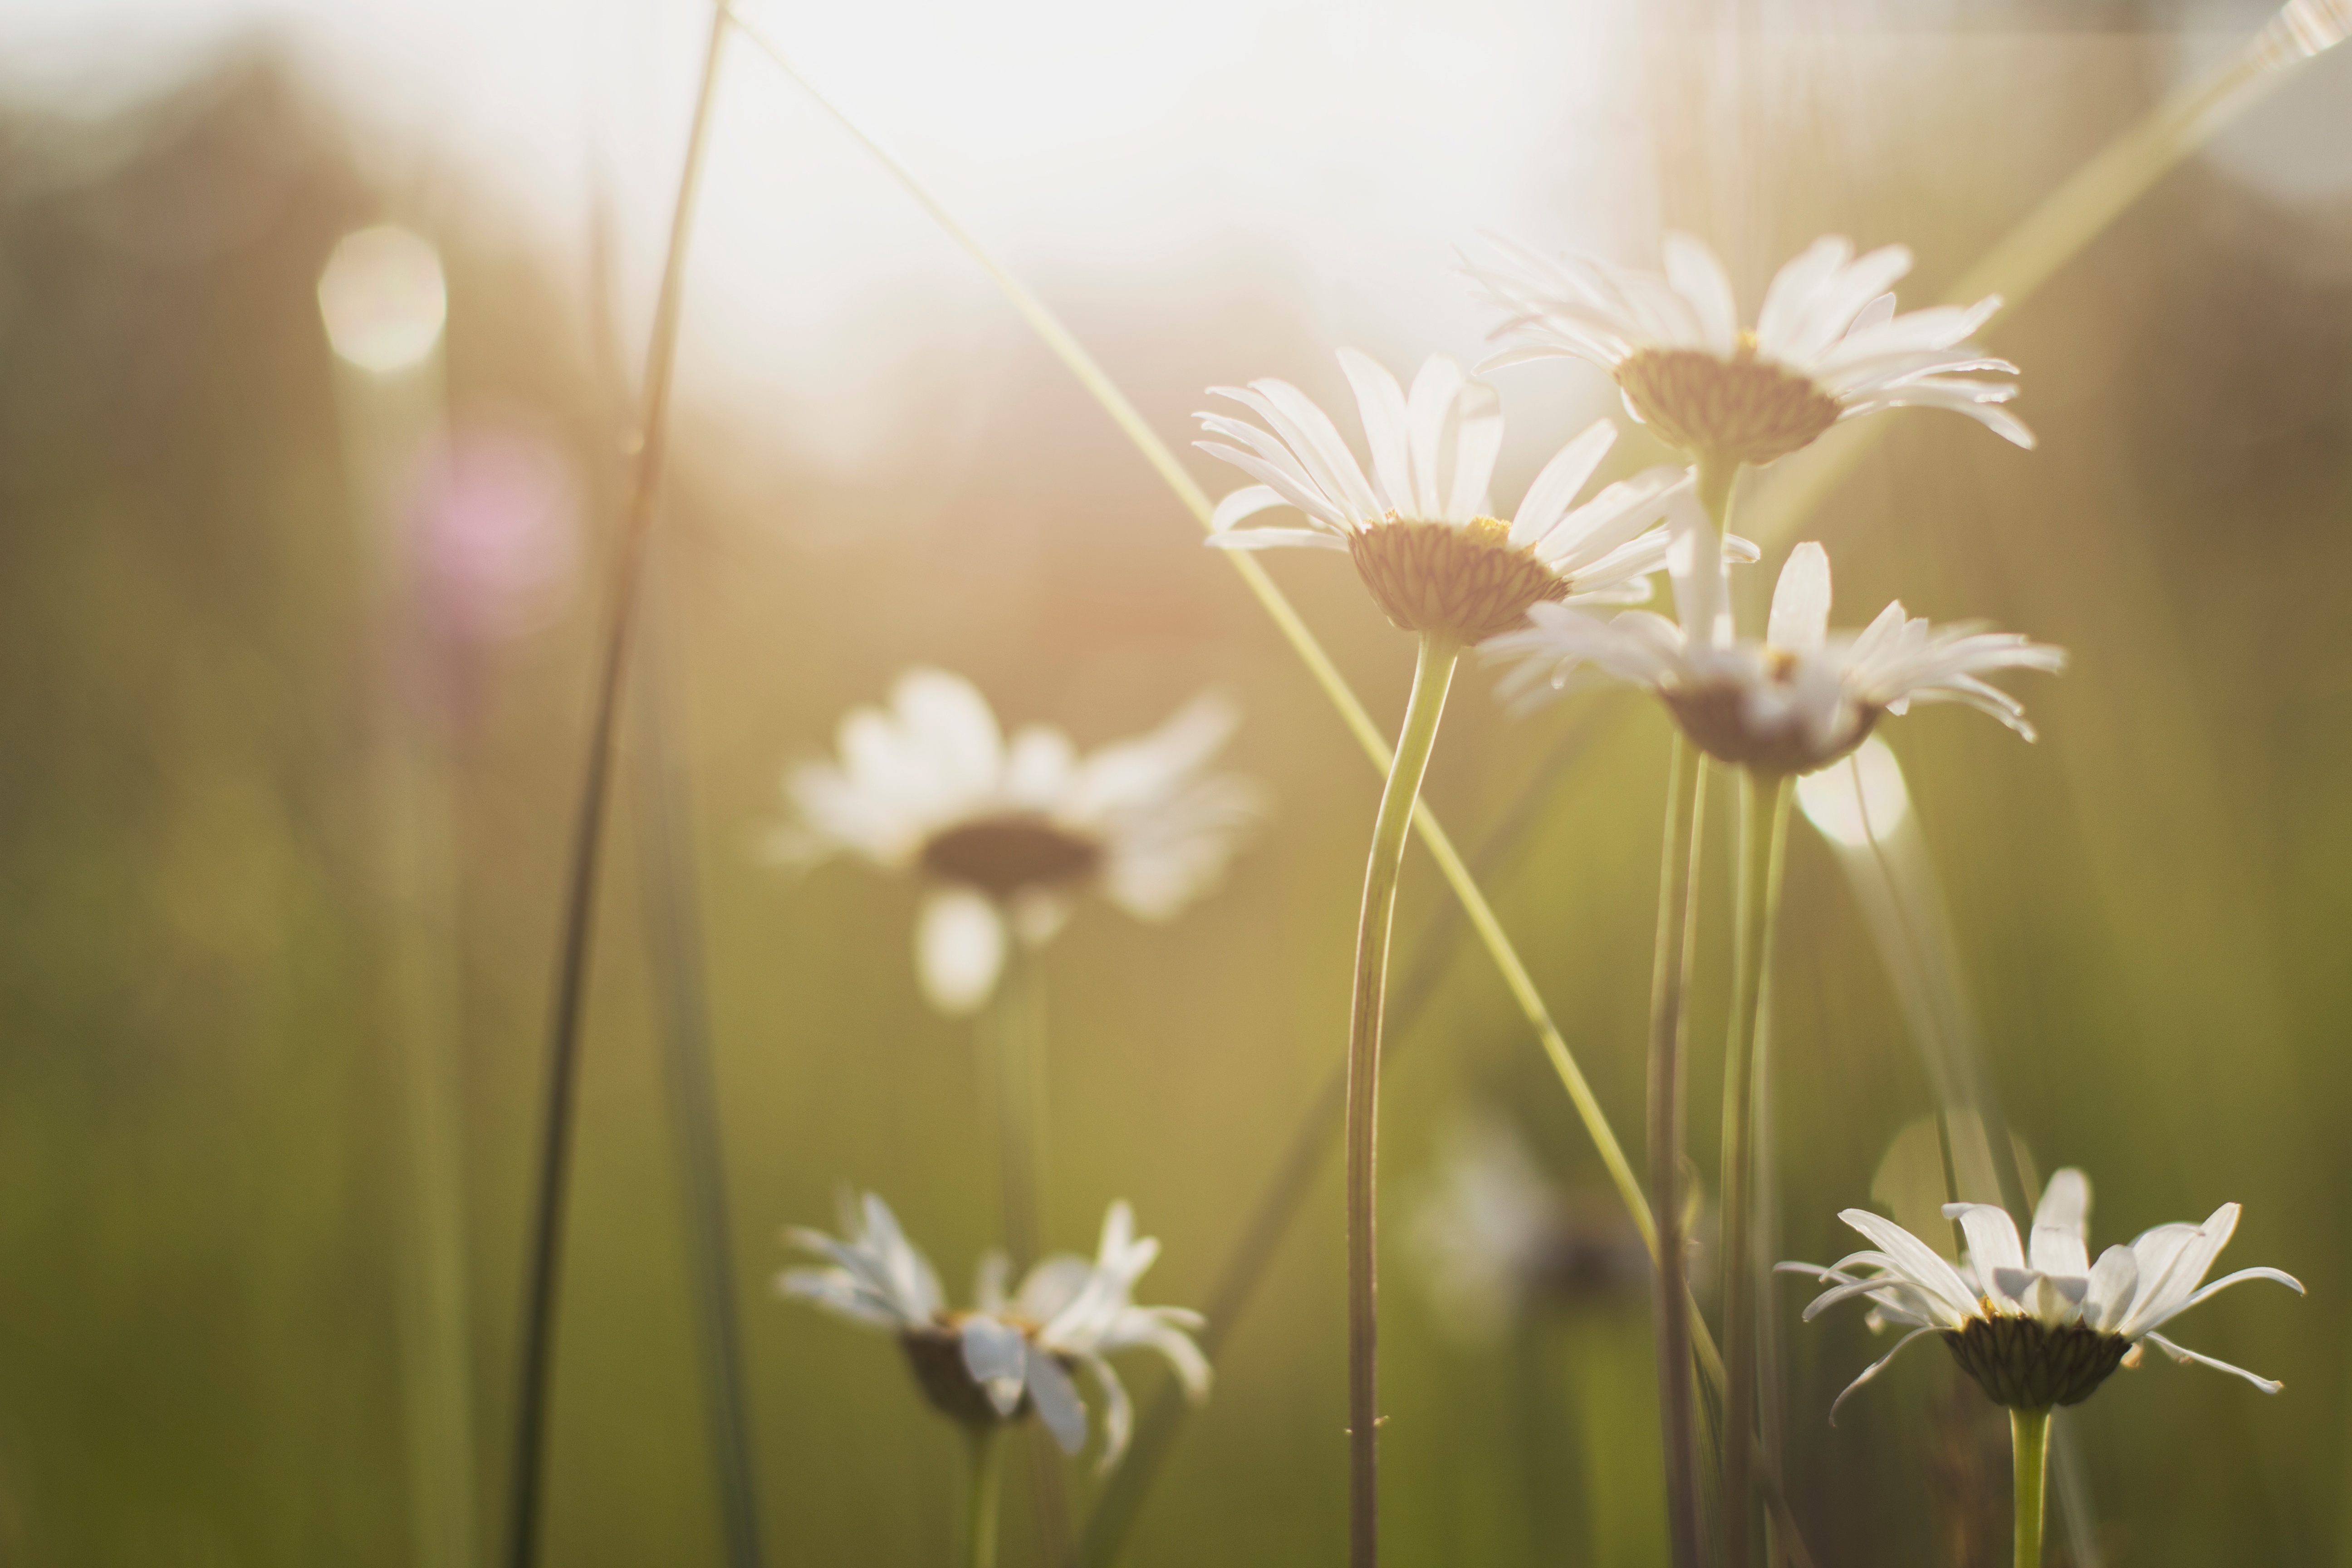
(1248, 501)
(2184, 1355)
(1699, 278)
(1057, 1400)
(1801, 602)
(2062, 1225)
(960, 942)
(1549, 497)
(1875, 1368)
(997, 1356)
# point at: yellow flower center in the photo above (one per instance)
(1743, 409)
(1464, 579)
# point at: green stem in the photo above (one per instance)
(986, 1448)
(543, 1262)
(1678, 871)
(1432, 673)
(1011, 1037)
(1762, 842)
(1015, 1034)
(2029, 1438)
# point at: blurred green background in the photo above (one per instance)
(201, 1171)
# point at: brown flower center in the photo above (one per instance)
(935, 1353)
(1465, 579)
(1743, 408)
(1003, 854)
(1715, 717)
(2026, 1364)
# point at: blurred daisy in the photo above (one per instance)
(1010, 1355)
(1800, 700)
(1418, 525)
(1009, 832)
(1495, 1236)
(1827, 345)
(2038, 1325)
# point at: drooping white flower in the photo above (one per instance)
(2036, 1324)
(1008, 831)
(1797, 700)
(1826, 346)
(1418, 525)
(1011, 1354)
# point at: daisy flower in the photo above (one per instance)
(1826, 346)
(1800, 700)
(2038, 1325)
(1418, 525)
(1007, 832)
(1012, 1354)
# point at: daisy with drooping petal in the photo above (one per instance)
(1800, 698)
(2037, 1323)
(1418, 525)
(1009, 831)
(1010, 1355)
(1827, 345)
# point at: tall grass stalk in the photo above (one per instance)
(2097, 192)
(1433, 675)
(1303, 642)
(543, 1265)
(673, 912)
(1670, 977)
(1763, 841)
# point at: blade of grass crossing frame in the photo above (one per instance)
(1327, 675)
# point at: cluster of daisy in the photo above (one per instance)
(1006, 833)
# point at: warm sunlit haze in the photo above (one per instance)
(324, 459)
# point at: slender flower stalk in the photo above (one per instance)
(1763, 840)
(1670, 977)
(1011, 1037)
(2029, 1441)
(1432, 673)
(1419, 528)
(1014, 1033)
(672, 895)
(983, 1485)
(543, 1266)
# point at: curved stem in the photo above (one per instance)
(1432, 673)
(985, 1446)
(1679, 871)
(543, 1264)
(2029, 1438)
(1762, 841)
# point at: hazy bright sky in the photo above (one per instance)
(1102, 146)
